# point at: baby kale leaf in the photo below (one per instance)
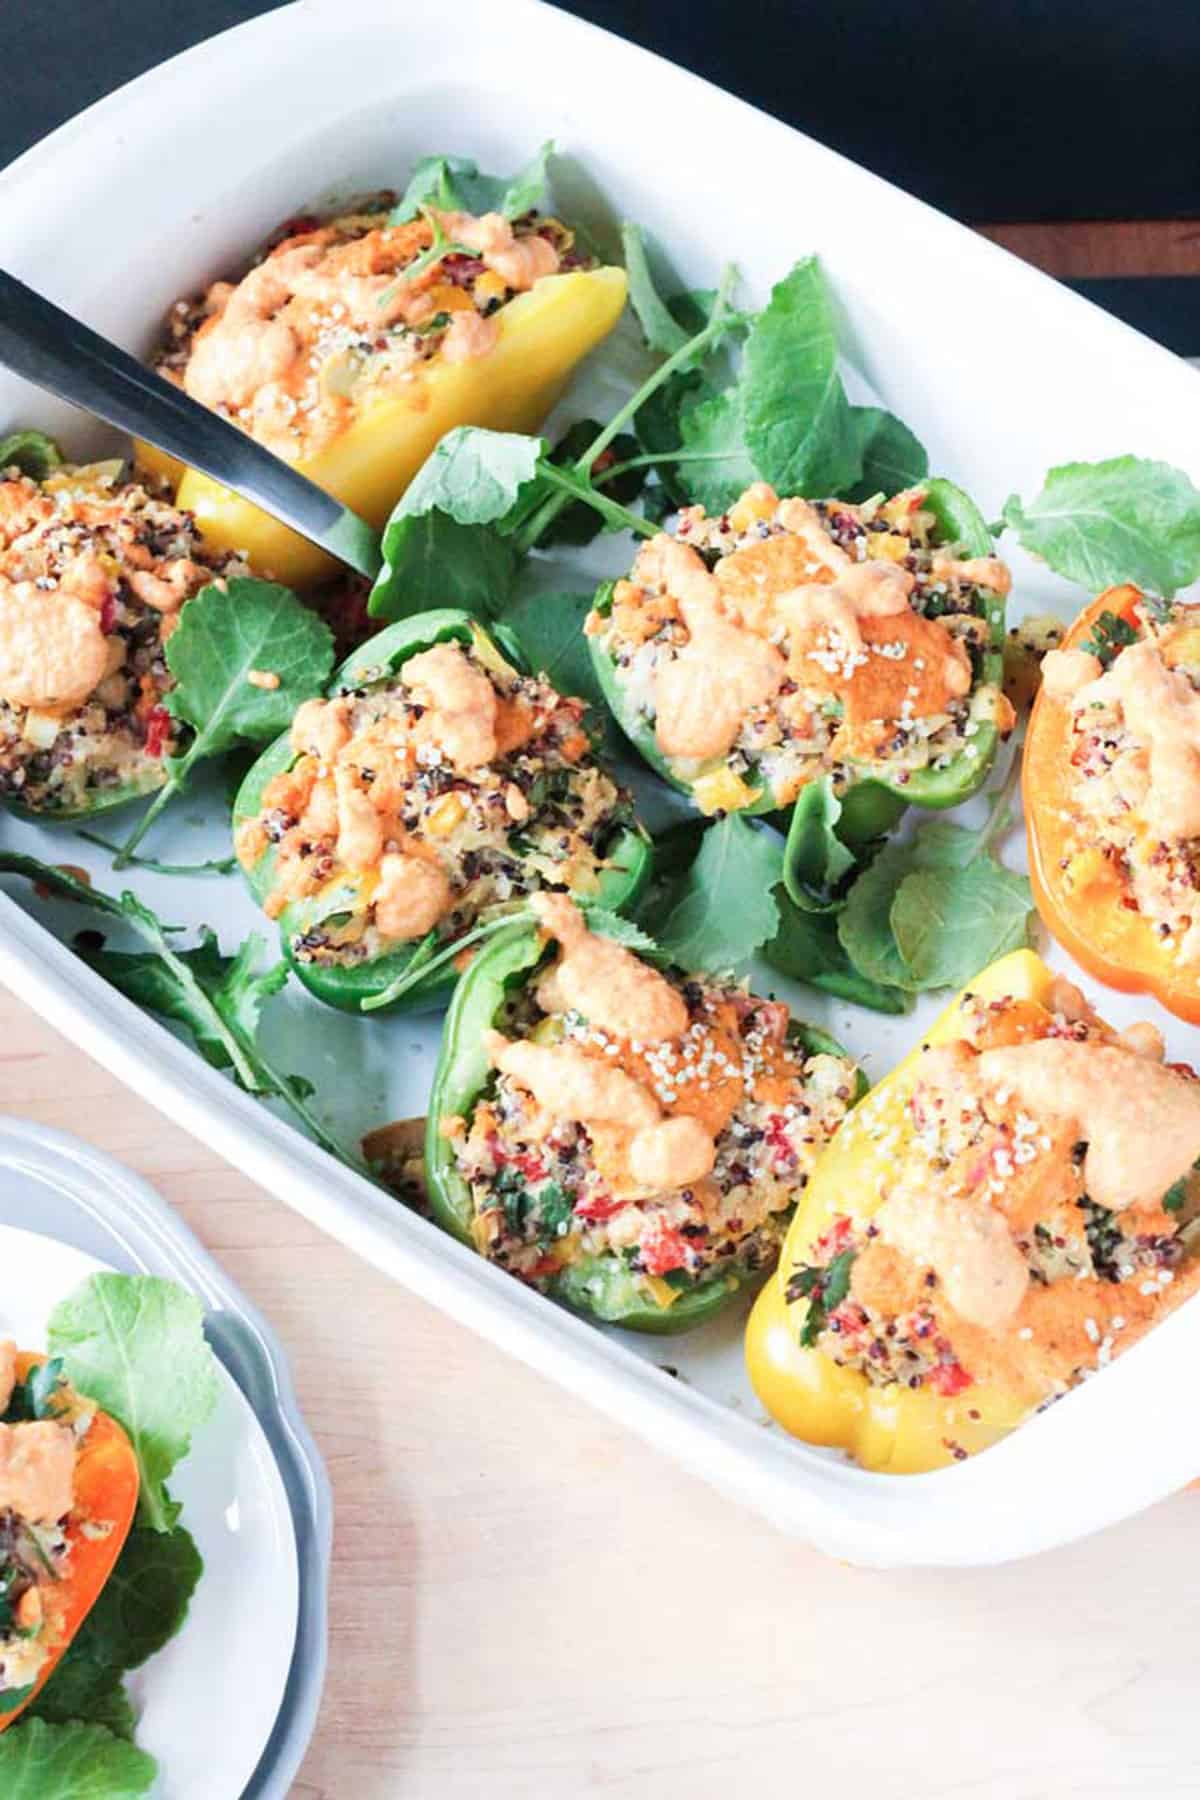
(455, 184)
(1126, 519)
(225, 636)
(724, 907)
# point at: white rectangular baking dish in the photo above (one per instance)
(999, 370)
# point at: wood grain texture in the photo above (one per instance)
(1094, 250)
(529, 1605)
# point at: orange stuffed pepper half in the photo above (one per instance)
(1112, 796)
(68, 1494)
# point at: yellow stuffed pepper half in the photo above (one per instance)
(1015, 1205)
(356, 343)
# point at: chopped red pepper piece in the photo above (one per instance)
(158, 730)
(949, 1379)
(662, 1249)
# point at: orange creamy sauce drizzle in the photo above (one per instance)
(697, 1069)
(37, 1482)
(884, 661)
(63, 558)
(1024, 1168)
(704, 1076)
(348, 788)
(1094, 885)
(260, 352)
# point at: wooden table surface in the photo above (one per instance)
(528, 1604)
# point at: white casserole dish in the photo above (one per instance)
(998, 369)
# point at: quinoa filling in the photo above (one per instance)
(550, 1191)
(38, 1450)
(394, 820)
(879, 675)
(336, 312)
(105, 566)
(1120, 822)
(1089, 1278)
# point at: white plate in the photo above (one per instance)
(209, 1700)
(1000, 371)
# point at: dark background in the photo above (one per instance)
(994, 110)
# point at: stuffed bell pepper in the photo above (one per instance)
(1011, 1208)
(625, 1137)
(748, 656)
(93, 573)
(68, 1494)
(437, 785)
(1112, 795)
(354, 344)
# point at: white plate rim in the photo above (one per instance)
(156, 1241)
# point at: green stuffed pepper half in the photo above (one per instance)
(750, 656)
(94, 571)
(436, 787)
(625, 1137)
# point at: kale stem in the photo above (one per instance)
(148, 927)
(707, 335)
(999, 812)
(125, 854)
(441, 247)
(580, 488)
(420, 967)
(251, 1067)
(654, 457)
(527, 538)
(216, 865)
(283, 1090)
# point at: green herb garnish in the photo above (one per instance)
(40, 1761)
(36, 1396)
(455, 184)
(933, 910)
(824, 1286)
(1109, 636)
(724, 907)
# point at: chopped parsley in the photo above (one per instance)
(1109, 636)
(1175, 1196)
(547, 1211)
(35, 1397)
(554, 1206)
(13, 1579)
(1104, 1237)
(514, 1197)
(824, 1286)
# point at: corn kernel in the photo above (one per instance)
(444, 297)
(1085, 869)
(723, 791)
(887, 546)
(756, 505)
(489, 286)
(448, 812)
(661, 1291)
(41, 728)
